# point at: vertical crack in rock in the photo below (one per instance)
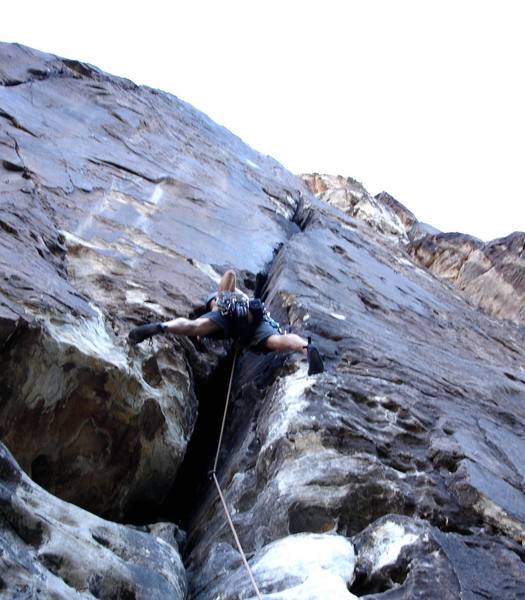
(340, 452)
(193, 484)
(193, 480)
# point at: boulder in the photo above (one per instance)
(406, 558)
(305, 565)
(89, 421)
(52, 549)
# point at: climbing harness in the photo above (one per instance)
(244, 314)
(235, 306)
(213, 474)
(232, 304)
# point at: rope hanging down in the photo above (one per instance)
(219, 490)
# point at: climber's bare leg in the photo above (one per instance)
(202, 327)
(227, 283)
(191, 327)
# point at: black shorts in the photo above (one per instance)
(260, 332)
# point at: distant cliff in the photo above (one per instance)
(490, 275)
(396, 473)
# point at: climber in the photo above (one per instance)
(232, 315)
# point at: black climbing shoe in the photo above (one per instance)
(315, 362)
(139, 334)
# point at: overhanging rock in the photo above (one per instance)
(52, 549)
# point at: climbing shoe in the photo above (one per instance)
(139, 334)
(315, 362)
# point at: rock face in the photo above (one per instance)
(419, 414)
(52, 549)
(88, 425)
(489, 275)
(352, 198)
(419, 561)
(119, 204)
(396, 471)
(305, 565)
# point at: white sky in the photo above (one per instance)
(424, 99)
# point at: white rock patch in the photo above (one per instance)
(338, 316)
(389, 539)
(292, 402)
(372, 212)
(207, 270)
(306, 566)
(319, 586)
(90, 337)
(156, 195)
(136, 296)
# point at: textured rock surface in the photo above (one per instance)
(304, 565)
(351, 197)
(121, 204)
(399, 557)
(118, 204)
(419, 387)
(491, 275)
(86, 423)
(52, 549)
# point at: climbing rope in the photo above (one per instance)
(219, 490)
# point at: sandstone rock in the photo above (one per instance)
(407, 218)
(418, 383)
(406, 558)
(90, 423)
(119, 205)
(52, 549)
(297, 566)
(490, 275)
(351, 197)
(123, 204)
(414, 228)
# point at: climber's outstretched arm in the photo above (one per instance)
(285, 343)
(291, 342)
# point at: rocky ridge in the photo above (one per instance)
(396, 473)
(490, 274)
